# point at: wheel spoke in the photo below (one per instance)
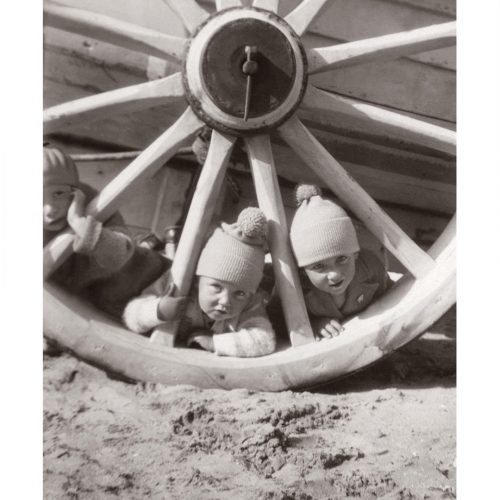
(271, 5)
(304, 14)
(357, 199)
(382, 47)
(270, 202)
(124, 100)
(198, 219)
(189, 11)
(354, 115)
(111, 30)
(108, 200)
(226, 4)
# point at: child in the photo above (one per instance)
(224, 312)
(345, 279)
(105, 268)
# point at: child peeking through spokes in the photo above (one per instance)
(105, 267)
(225, 311)
(343, 279)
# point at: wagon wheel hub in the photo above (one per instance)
(245, 71)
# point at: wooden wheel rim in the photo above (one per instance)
(388, 324)
(397, 318)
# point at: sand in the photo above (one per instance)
(387, 432)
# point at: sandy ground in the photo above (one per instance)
(387, 432)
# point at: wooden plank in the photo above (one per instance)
(304, 14)
(160, 198)
(153, 14)
(358, 115)
(324, 122)
(147, 163)
(382, 48)
(445, 7)
(170, 185)
(285, 270)
(189, 11)
(401, 85)
(67, 78)
(112, 30)
(337, 179)
(358, 19)
(109, 199)
(271, 5)
(109, 57)
(351, 20)
(391, 158)
(226, 4)
(382, 185)
(124, 100)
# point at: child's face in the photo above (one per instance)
(333, 275)
(221, 300)
(56, 202)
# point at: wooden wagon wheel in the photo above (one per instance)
(244, 72)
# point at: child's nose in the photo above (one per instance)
(224, 298)
(49, 209)
(333, 273)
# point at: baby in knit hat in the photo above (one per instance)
(225, 312)
(345, 279)
(106, 268)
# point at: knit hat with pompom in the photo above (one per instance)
(320, 229)
(58, 168)
(235, 252)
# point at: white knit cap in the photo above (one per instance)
(320, 228)
(235, 252)
(58, 168)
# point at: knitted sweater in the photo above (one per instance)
(250, 334)
(106, 267)
(370, 282)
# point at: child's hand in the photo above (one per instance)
(76, 212)
(172, 308)
(327, 328)
(202, 339)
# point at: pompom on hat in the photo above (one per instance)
(320, 229)
(235, 252)
(58, 168)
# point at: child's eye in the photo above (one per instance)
(216, 287)
(240, 294)
(342, 259)
(60, 195)
(317, 267)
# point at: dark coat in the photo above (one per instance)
(107, 268)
